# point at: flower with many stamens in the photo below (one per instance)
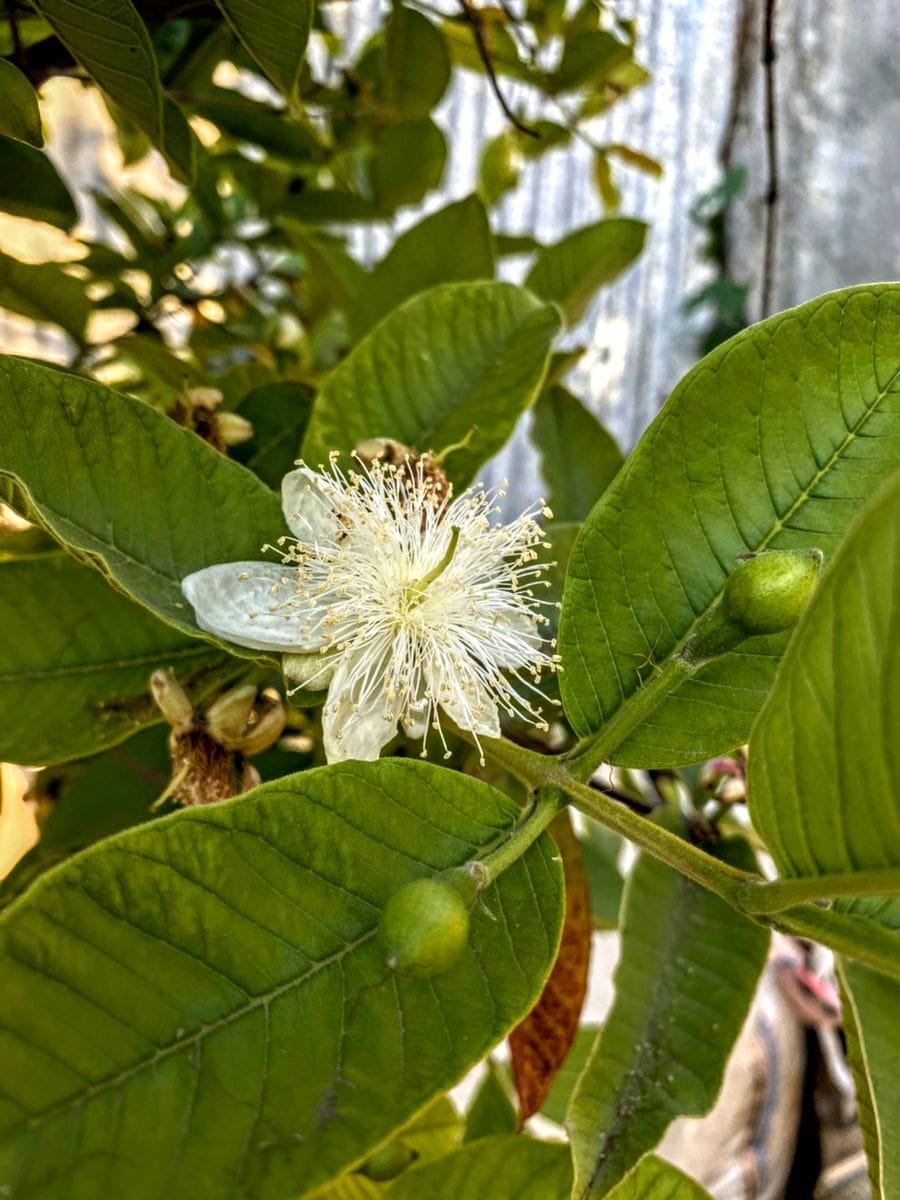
(403, 601)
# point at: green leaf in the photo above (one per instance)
(111, 42)
(589, 57)
(492, 1112)
(772, 441)
(570, 271)
(870, 1005)
(30, 186)
(275, 36)
(146, 501)
(687, 972)
(600, 849)
(452, 245)
(436, 1131)
(505, 1168)
(500, 166)
(657, 1180)
(83, 654)
(416, 63)
(20, 116)
(219, 969)
(43, 292)
(279, 414)
(247, 120)
(557, 1103)
(824, 771)
(461, 360)
(578, 457)
(408, 161)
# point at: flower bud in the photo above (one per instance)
(313, 671)
(203, 397)
(388, 1162)
(267, 730)
(768, 592)
(424, 928)
(227, 717)
(232, 429)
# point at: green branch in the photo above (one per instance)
(761, 898)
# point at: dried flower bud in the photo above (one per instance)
(266, 731)
(203, 397)
(227, 717)
(232, 429)
(171, 700)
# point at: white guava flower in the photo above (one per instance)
(399, 599)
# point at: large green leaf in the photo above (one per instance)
(43, 292)
(871, 1004)
(451, 245)
(825, 753)
(507, 1167)
(408, 160)
(111, 42)
(578, 457)
(199, 1007)
(687, 972)
(147, 501)
(75, 661)
(459, 361)
(279, 413)
(30, 186)
(20, 116)
(571, 271)
(773, 440)
(275, 35)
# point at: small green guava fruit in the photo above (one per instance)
(424, 928)
(768, 592)
(388, 1162)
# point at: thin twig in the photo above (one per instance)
(473, 17)
(771, 123)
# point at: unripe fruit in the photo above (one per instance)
(388, 1162)
(424, 928)
(768, 592)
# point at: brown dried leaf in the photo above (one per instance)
(539, 1044)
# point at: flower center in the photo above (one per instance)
(414, 593)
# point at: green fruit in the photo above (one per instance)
(424, 928)
(388, 1162)
(768, 592)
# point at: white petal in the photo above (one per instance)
(354, 724)
(308, 504)
(243, 602)
(415, 719)
(468, 703)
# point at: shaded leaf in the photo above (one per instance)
(275, 36)
(590, 56)
(492, 1112)
(579, 459)
(198, 960)
(144, 500)
(43, 292)
(20, 116)
(79, 655)
(600, 849)
(453, 244)
(772, 441)
(279, 414)
(504, 1168)
(111, 42)
(30, 186)
(461, 360)
(825, 789)
(408, 161)
(570, 271)
(687, 973)
(416, 63)
(539, 1045)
